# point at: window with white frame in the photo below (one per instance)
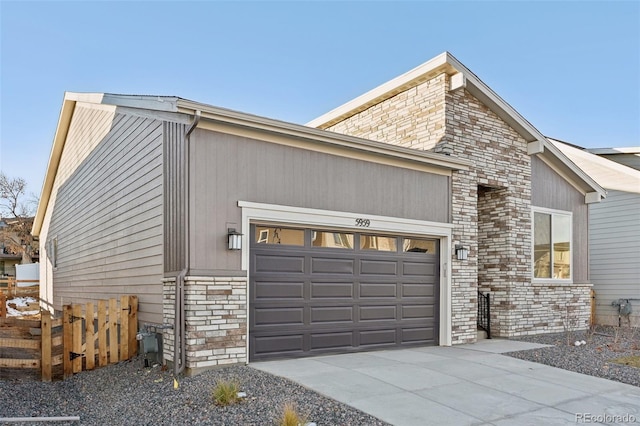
(551, 244)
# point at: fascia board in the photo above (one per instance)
(320, 136)
(591, 184)
(64, 120)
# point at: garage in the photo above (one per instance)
(316, 291)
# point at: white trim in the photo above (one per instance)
(552, 212)
(259, 212)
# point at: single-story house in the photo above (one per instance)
(373, 226)
(614, 232)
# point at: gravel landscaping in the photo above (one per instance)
(128, 393)
(603, 344)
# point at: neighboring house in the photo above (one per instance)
(348, 241)
(15, 245)
(628, 156)
(614, 232)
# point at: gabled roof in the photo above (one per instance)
(447, 63)
(609, 174)
(182, 110)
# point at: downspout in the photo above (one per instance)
(179, 355)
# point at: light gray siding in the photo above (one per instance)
(615, 254)
(107, 215)
(550, 190)
(228, 168)
(631, 160)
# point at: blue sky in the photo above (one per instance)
(571, 68)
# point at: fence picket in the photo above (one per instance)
(76, 311)
(90, 353)
(3, 305)
(102, 333)
(124, 327)
(113, 331)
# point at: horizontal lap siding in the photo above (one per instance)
(107, 214)
(615, 252)
(229, 168)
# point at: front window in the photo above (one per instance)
(551, 245)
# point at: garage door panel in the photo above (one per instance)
(378, 267)
(378, 337)
(417, 311)
(320, 290)
(323, 265)
(332, 314)
(422, 334)
(417, 290)
(278, 290)
(278, 316)
(335, 340)
(378, 290)
(418, 268)
(278, 344)
(278, 264)
(377, 313)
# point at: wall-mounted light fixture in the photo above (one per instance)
(235, 239)
(462, 252)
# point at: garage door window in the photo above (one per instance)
(285, 236)
(413, 245)
(340, 240)
(376, 242)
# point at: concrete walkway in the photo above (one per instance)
(462, 385)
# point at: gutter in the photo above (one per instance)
(179, 329)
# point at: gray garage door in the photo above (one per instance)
(322, 291)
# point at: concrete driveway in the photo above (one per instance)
(462, 385)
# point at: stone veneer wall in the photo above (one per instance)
(499, 216)
(216, 321)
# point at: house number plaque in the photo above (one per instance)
(363, 222)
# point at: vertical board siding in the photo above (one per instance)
(106, 211)
(228, 168)
(174, 197)
(614, 233)
(550, 190)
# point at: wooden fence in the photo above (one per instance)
(10, 288)
(82, 338)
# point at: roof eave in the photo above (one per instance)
(319, 136)
(446, 62)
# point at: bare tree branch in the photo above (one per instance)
(17, 213)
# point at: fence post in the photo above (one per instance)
(67, 342)
(133, 326)
(3, 305)
(45, 345)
